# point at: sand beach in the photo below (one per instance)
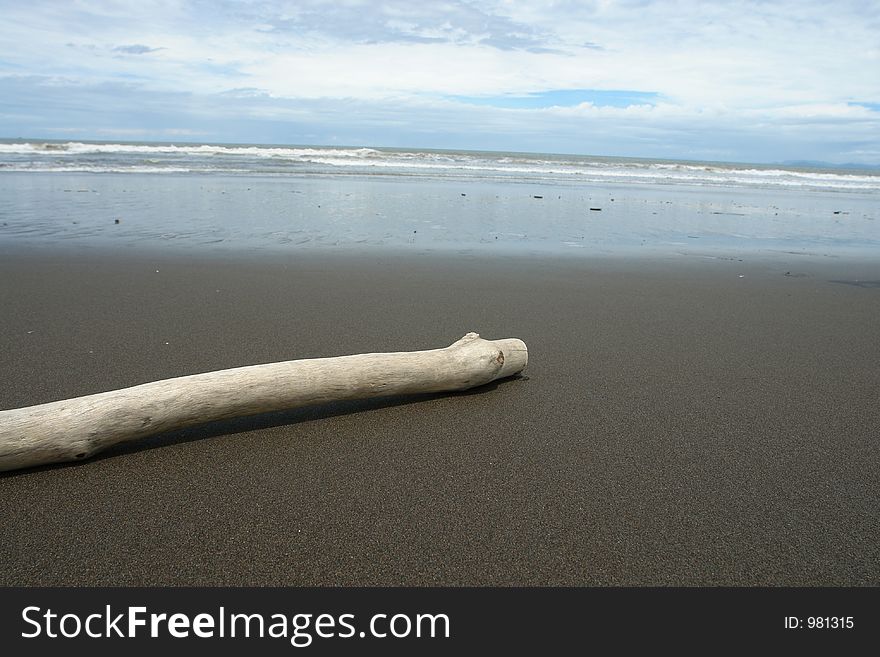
(682, 421)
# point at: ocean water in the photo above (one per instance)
(252, 197)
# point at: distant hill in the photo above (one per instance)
(814, 164)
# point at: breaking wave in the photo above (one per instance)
(76, 156)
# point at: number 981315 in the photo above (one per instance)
(829, 622)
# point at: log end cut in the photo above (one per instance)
(515, 354)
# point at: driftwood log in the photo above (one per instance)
(75, 429)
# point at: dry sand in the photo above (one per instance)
(687, 422)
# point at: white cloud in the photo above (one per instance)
(716, 67)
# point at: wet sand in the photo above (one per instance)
(687, 421)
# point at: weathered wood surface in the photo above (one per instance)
(75, 429)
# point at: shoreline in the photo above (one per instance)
(682, 421)
(356, 213)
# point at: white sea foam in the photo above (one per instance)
(79, 148)
(207, 158)
(99, 169)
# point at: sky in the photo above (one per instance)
(749, 81)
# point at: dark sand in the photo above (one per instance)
(678, 424)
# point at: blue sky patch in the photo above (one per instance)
(874, 107)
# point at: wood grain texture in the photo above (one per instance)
(75, 429)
